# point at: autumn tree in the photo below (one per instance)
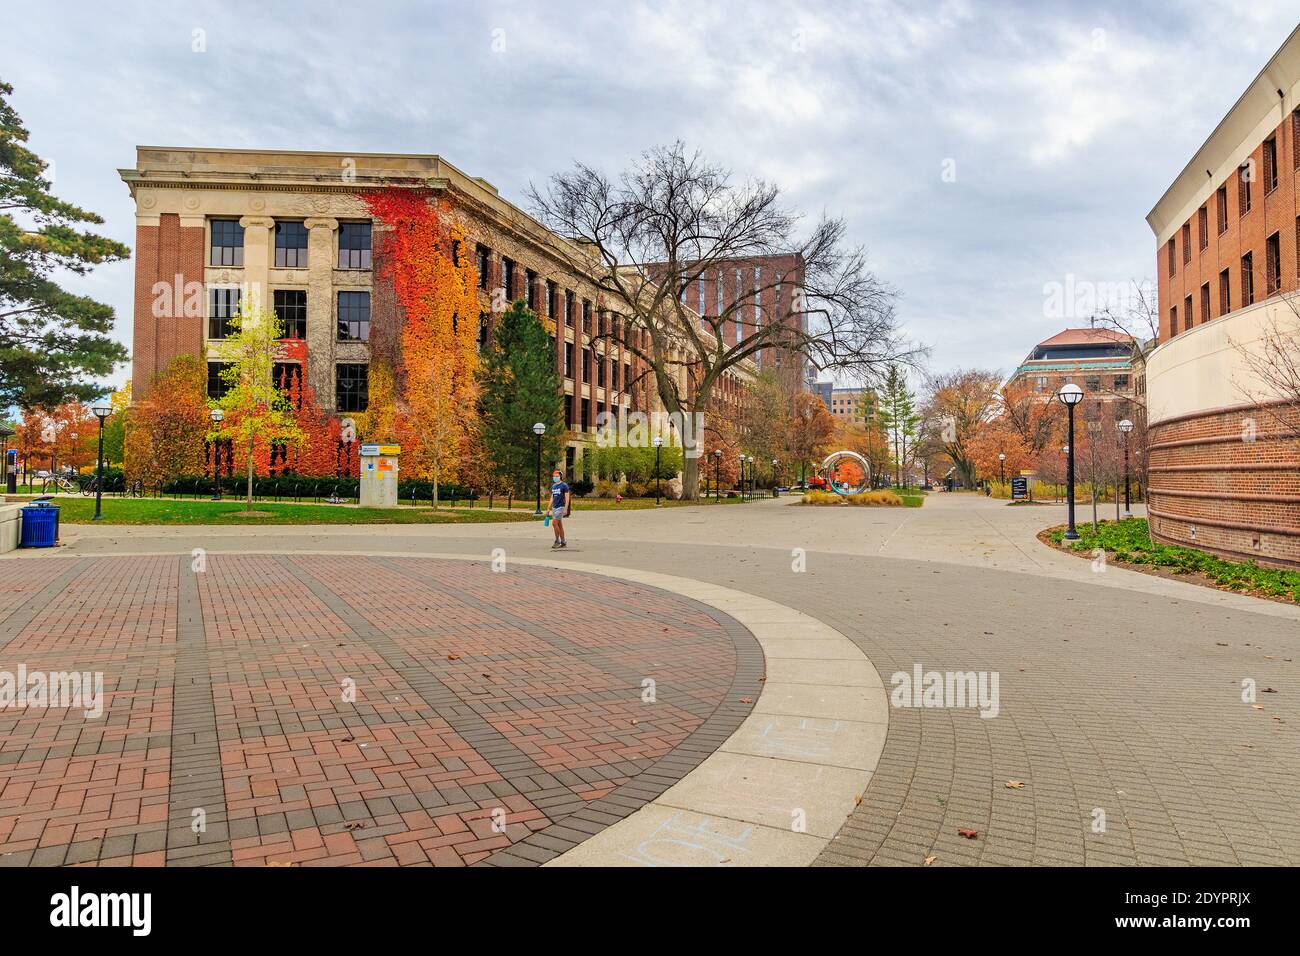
(165, 431)
(115, 427)
(520, 387)
(255, 411)
(649, 234)
(53, 344)
(765, 418)
(422, 253)
(960, 403)
(812, 432)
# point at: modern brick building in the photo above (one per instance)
(1100, 361)
(853, 406)
(289, 228)
(1224, 456)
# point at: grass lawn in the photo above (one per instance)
(1127, 542)
(158, 511)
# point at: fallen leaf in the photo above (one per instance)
(453, 657)
(1015, 785)
(1268, 690)
(967, 833)
(746, 700)
(1256, 706)
(930, 859)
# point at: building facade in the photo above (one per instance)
(289, 230)
(1100, 361)
(1224, 453)
(852, 406)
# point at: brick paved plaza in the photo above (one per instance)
(493, 712)
(1120, 693)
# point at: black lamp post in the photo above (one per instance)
(1070, 395)
(539, 430)
(659, 444)
(775, 493)
(1002, 468)
(753, 478)
(216, 415)
(102, 410)
(11, 477)
(1126, 426)
(717, 475)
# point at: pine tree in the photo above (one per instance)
(520, 387)
(51, 341)
(898, 417)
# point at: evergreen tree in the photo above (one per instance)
(520, 387)
(897, 414)
(51, 341)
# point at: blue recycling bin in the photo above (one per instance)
(40, 525)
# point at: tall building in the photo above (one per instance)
(1223, 460)
(852, 406)
(289, 229)
(1100, 361)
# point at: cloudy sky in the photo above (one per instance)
(980, 151)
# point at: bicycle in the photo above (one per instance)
(61, 483)
(89, 485)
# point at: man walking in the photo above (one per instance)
(561, 505)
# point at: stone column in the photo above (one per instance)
(322, 254)
(258, 244)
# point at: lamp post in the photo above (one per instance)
(539, 430)
(659, 444)
(102, 410)
(1002, 468)
(1070, 395)
(717, 475)
(752, 475)
(216, 415)
(775, 493)
(1126, 426)
(11, 477)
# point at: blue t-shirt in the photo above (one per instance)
(557, 495)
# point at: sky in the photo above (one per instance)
(985, 154)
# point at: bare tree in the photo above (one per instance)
(1275, 364)
(674, 218)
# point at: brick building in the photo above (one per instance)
(289, 229)
(1100, 361)
(1224, 461)
(852, 406)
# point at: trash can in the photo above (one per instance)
(40, 525)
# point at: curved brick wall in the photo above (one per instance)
(1227, 480)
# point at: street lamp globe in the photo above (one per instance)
(717, 453)
(658, 442)
(1125, 426)
(1070, 394)
(1001, 457)
(539, 428)
(216, 415)
(102, 409)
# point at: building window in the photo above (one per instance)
(290, 245)
(351, 387)
(718, 279)
(1247, 279)
(1187, 312)
(568, 308)
(217, 386)
(700, 286)
(508, 277)
(1187, 242)
(354, 316)
(1173, 260)
(1205, 302)
(1203, 228)
(1121, 381)
(1273, 264)
(1225, 292)
(223, 305)
(586, 365)
(1243, 187)
(1173, 320)
(354, 245)
(586, 317)
(530, 281)
(1295, 137)
(291, 310)
(568, 360)
(600, 372)
(1092, 383)
(568, 411)
(1270, 165)
(482, 256)
(553, 302)
(287, 377)
(1221, 205)
(586, 412)
(227, 243)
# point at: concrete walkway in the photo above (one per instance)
(1120, 703)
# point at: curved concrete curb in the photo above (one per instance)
(778, 789)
